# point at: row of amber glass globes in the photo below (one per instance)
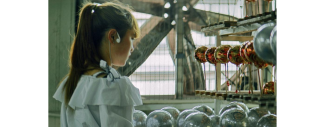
(238, 54)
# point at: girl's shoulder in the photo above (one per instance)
(110, 90)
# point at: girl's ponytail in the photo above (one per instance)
(77, 52)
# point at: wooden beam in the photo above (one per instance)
(193, 69)
(188, 86)
(145, 47)
(146, 28)
(193, 2)
(171, 39)
(194, 26)
(190, 3)
(160, 2)
(188, 35)
(153, 7)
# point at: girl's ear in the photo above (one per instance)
(111, 35)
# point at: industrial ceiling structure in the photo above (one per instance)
(167, 17)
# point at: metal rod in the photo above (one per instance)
(228, 10)
(259, 81)
(246, 4)
(250, 78)
(240, 80)
(275, 81)
(258, 7)
(228, 76)
(227, 79)
(236, 78)
(244, 78)
(233, 14)
(205, 76)
(215, 65)
(179, 50)
(218, 65)
(254, 8)
(268, 6)
(219, 13)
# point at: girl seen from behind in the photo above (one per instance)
(93, 94)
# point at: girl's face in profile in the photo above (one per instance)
(120, 52)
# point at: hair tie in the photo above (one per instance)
(95, 7)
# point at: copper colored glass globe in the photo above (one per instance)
(181, 117)
(268, 120)
(210, 55)
(205, 109)
(268, 88)
(234, 117)
(197, 119)
(221, 53)
(173, 111)
(160, 118)
(251, 56)
(215, 120)
(242, 52)
(139, 118)
(254, 115)
(259, 63)
(200, 54)
(234, 55)
(249, 52)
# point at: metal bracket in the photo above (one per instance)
(180, 55)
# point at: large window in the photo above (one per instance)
(156, 76)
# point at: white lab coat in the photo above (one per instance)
(100, 102)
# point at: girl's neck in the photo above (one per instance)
(92, 70)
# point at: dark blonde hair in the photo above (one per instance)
(95, 20)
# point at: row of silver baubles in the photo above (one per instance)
(235, 114)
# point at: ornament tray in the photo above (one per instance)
(266, 101)
(242, 27)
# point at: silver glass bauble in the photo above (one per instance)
(181, 117)
(230, 106)
(160, 118)
(262, 43)
(268, 120)
(254, 115)
(172, 110)
(197, 119)
(139, 118)
(273, 43)
(215, 120)
(204, 108)
(242, 105)
(234, 117)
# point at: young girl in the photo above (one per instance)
(94, 94)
